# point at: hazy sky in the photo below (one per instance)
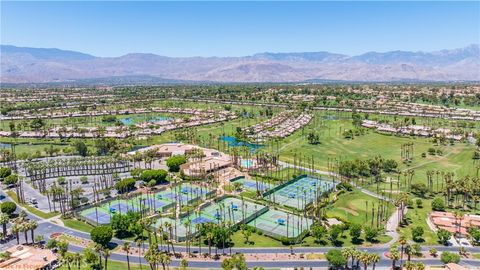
(239, 28)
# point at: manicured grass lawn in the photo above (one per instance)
(255, 239)
(352, 206)
(112, 265)
(31, 209)
(77, 225)
(417, 217)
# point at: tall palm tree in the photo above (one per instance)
(77, 258)
(126, 248)
(374, 258)
(4, 219)
(33, 225)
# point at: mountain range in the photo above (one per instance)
(40, 65)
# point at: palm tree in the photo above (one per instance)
(4, 219)
(165, 260)
(68, 259)
(16, 229)
(32, 225)
(126, 248)
(365, 259)
(106, 254)
(374, 258)
(77, 258)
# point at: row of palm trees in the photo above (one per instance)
(19, 224)
(358, 257)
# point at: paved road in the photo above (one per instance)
(46, 228)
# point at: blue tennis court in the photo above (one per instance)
(252, 185)
(91, 214)
(200, 220)
(301, 192)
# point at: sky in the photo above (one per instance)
(239, 28)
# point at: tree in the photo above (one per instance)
(370, 234)
(183, 264)
(475, 235)
(419, 189)
(175, 161)
(4, 219)
(4, 172)
(125, 185)
(158, 175)
(449, 257)
(12, 179)
(126, 249)
(443, 236)
(318, 232)
(335, 258)
(101, 235)
(355, 232)
(81, 148)
(8, 208)
(417, 233)
(438, 204)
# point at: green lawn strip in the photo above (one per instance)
(31, 209)
(112, 265)
(77, 225)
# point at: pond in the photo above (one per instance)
(138, 119)
(233, 142)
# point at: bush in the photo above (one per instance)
(125, 185)
(419, 203)
(370, 234)
(417, 233)
(174, 162)
(449, 257)
(355, 232)
(101, 235)
(8, 208)
(4, 172)
(345, 186)
(11, 179)
(443, 236)
(158, 175)
(419, 189)
(335, 258)
(438, 204)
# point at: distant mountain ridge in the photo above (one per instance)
(37, 65)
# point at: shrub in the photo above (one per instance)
(11, 179)
(174, 162)
(101, 235)
(158, 175)
(355, 232)
(345, 186)
(419, 203)
(438, 204)
(335, 258)
(443, 236)
(8, 208)
(370, 234)
(449, 257)
(417, 233)
(4, 172)
(419, 189)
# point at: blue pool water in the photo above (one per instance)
(246, 163)
(136, 119)
(233, 142)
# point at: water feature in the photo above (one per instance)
(137, 119)
(234, 142)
